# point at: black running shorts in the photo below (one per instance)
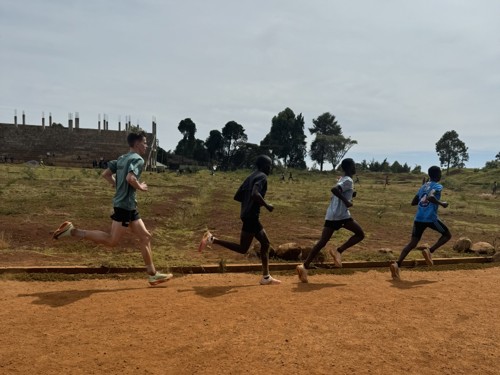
(251, 226)
(125, 216)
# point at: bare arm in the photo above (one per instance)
(257, 197)
(134, 182)
(415, 200)
(337, 191)
(108, 176)
(432, 198)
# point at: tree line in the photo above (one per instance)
(285, 143)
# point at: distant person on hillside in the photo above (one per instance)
(494, 189)
(290, 177)
(428, 201)
(251, 196)
(337, 217)
(123, 174)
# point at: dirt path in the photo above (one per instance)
(442, 322)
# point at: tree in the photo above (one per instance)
(215, 145)
(323, 126)
(233, 135)
(286, 139)
(200, 152)
(452, 151)
(329, 144)
(493, 164)
(186, 145)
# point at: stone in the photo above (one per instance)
(385, 251)
(483, 248)
(463, 244)
(289, 251)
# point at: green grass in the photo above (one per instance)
(177, 209)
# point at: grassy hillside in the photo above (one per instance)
(177, 209)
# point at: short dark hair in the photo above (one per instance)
(135, 136)
(346, 163)
(434, 172)
(262, 161)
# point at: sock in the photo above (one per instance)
(267, 277)
(151, 269)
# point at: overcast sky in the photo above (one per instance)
(396, 74)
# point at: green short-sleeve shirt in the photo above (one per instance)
(125, 194)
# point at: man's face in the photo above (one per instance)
(141, 146)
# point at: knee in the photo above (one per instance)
(146, 237)
(361, 235)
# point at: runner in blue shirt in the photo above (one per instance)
(428, 200)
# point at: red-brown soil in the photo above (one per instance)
(441, 322)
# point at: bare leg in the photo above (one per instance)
(264, 251)
(139, 229)
(357, 237)
(242, 248)
(100, 237)
(325, 237)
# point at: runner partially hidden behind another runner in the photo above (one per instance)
(128, 169)
(337, 216)
(251, 195)
(428, 200)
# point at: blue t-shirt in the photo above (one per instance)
(125, 193)
(427, 211)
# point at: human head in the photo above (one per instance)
(263, 163)
(434, 173)
(137, 140)
(348, 166)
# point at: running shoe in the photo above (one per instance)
(428, 257)
(269, 281)
(64, 230)
(159, 278)
(207, 239)
(337, 257)
(302, 272)
(395, 271)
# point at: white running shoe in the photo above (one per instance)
(64, 230)
(337, 257)
(207, 239)
(269, 281)
(159, 278)
(302, 272)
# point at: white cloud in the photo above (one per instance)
(397, 75)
